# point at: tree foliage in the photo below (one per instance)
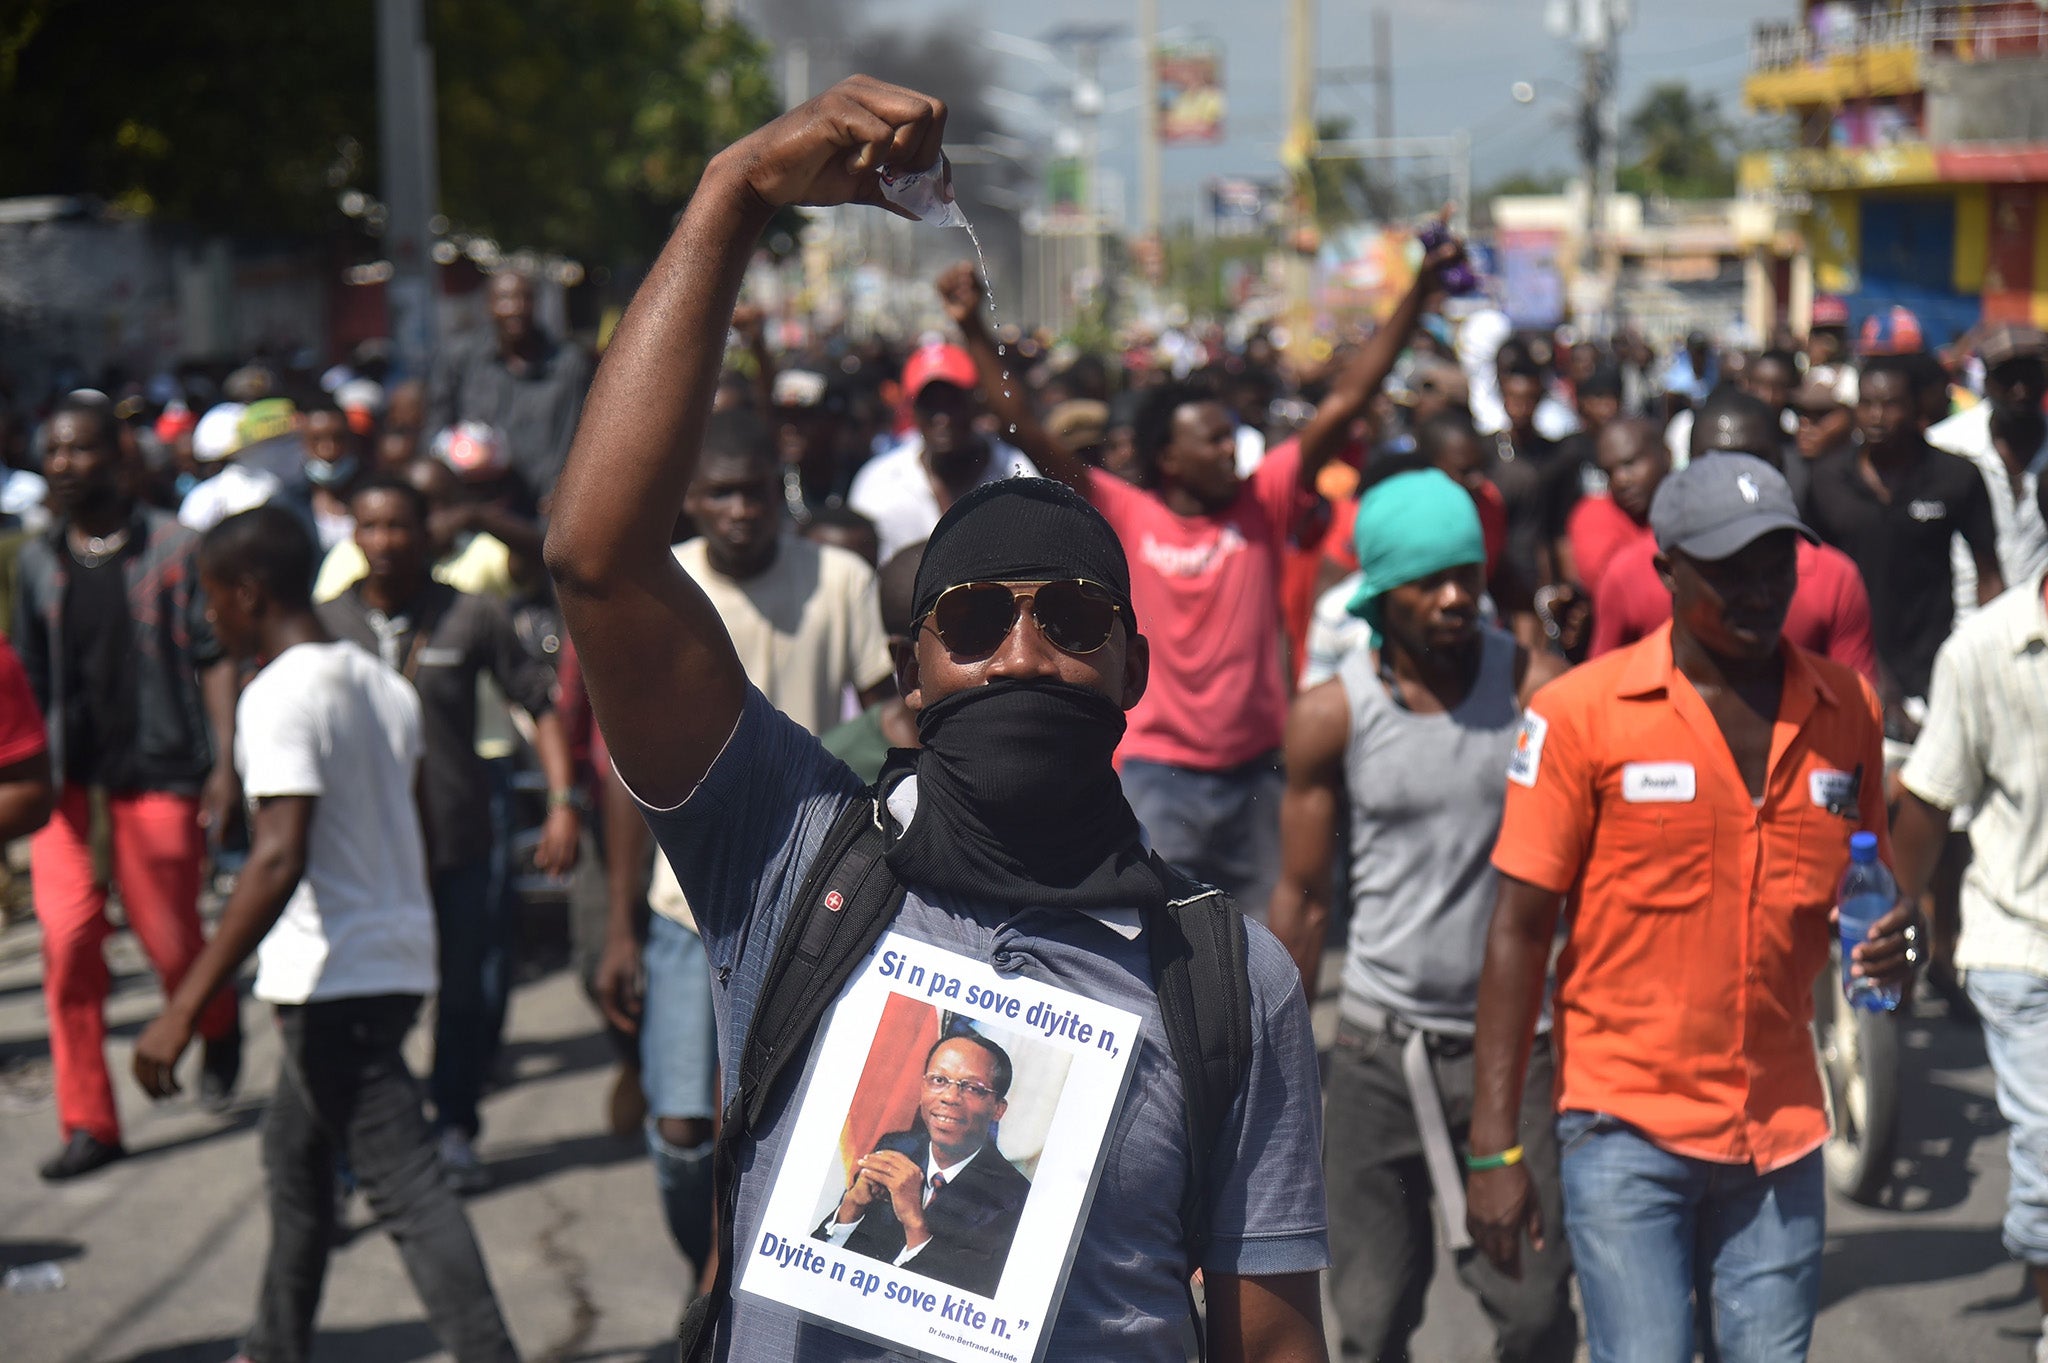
(1540, 182)
(576, 126)
(583, 125)
(1678, 145)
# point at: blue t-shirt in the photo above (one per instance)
(741, 846)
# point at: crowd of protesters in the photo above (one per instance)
(1445, 632)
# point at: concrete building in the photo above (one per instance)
(86, 290)
(1919, 172)
(1671, 265)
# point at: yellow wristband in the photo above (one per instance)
(1511, 1155)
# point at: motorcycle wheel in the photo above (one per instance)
(1859, 1063)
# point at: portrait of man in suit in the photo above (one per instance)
(939, 1200)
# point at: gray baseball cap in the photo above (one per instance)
(1721, 503)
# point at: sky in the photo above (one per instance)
(1454, 62)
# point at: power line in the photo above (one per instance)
(1737, 45)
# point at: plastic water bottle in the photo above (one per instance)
(47, 1276)
(927, 193)
(1868, 893)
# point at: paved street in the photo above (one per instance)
(161, 1253)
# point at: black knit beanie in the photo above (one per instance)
(1023, 530)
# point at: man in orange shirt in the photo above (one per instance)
(1692, 797)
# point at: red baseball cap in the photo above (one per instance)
(175, 421)
(939, 364)
(1830, 311)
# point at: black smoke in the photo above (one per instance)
(940, 58)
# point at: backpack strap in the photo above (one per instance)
(1201, 973)
(848, 899)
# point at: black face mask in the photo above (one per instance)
(1017, 802)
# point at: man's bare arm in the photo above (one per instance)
(1359, 380)
(220, 800)
(1919, 832)
(1501, 1203)
(620, 984)
(1299, 913)
(960, 286)
(278, 835)
(1276, 1318)
(664, 682)
(26, 798)
(1990, 578)
(1536, 669)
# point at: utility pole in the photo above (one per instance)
(1085, 102)
(1301, 69)
(412, 187)
(1379, 75)
(1301, 134)
(1148, 117)
(1383, 74)
(1594, 26)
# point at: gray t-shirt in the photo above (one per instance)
(1426, 796)
(741, 845)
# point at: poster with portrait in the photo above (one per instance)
(945, 1150)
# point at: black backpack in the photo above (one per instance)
(1197, 946)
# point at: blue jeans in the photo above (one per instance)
(1649, 1229)
(476, 979)
(2014, 1006)
(679, 1075)
(1220, 827)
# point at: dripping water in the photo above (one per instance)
(981, 262)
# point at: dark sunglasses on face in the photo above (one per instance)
(973, 618)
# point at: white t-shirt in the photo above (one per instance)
(1334, 633)
(22, 495)
(1251, 450)
(332, 722)
(806, 630)
(894, 490)
(2021, 535)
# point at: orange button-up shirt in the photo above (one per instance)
(1698, 918)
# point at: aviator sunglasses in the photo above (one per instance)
(973, 618)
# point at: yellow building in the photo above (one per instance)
(1920, 174)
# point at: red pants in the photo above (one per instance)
(158, 851)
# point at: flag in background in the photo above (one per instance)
(891, 1081)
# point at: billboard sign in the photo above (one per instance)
(1190, 94)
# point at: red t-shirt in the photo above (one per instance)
(1301, 567)
(1830, 612)
(1598, 530)
(21, 724)
(1207, 593)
